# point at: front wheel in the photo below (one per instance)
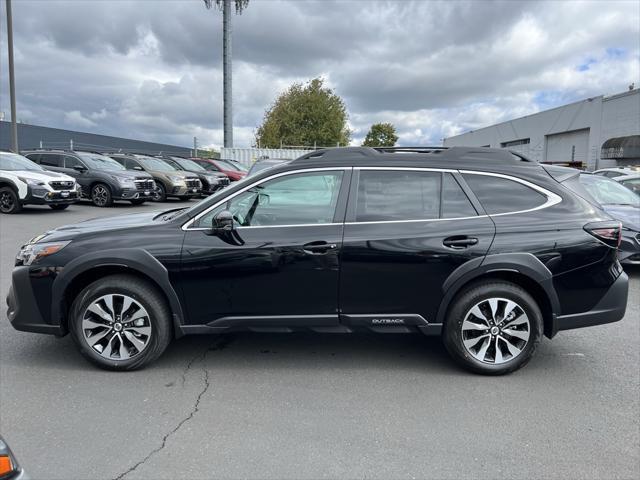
(160, 194)
(493, 328)
(9, 201)
(59, 207)
(120, 322)
(101, 195)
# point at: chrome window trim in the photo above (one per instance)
(186, 225)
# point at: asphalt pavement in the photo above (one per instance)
(310, 406)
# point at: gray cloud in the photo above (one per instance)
(152, 69)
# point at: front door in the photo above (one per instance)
(279, 267)
(406, 231)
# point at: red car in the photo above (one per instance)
(231, 169)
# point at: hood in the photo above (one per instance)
(627, 214)
(43, 175)
(128, 174)
(94, 225)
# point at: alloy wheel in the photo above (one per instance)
(6, 202)
(116, 327)
(495, 330)
(100, 195)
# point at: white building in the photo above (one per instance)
(597, 132)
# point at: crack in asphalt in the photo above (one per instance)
(220, 345)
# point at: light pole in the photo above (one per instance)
(12, 81)
(225, 6)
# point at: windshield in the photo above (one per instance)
(188, 164)
(100, 162)
(13, 161)
(227, 165)
(156, 164)
(608, 192)
(632, 184)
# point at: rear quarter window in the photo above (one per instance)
(502, 195)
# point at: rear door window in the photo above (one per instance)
(50, 160)
(396, 195)
(502, 195)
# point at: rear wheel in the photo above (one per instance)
(120, 322)
(493, 328)
(59, 207)
(9, 201)
(101, 195)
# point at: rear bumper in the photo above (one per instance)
(23, 311)
(611, 308)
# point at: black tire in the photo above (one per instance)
(101, 195)
(161, 193)
(138, 201)
(9, 201)
(143, 292)
(473, 295)
(59, 207)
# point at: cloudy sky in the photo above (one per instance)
(152, 69)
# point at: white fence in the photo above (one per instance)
(247, 156)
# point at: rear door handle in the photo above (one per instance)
(320, 247)
(459, 242)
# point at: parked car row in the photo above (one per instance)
(59, 178)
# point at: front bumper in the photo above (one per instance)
(43, 196)
(126, 193)
(611, 308)
(23, 311)
(629, 250)
(184, 191)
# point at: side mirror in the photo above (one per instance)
(138, 167)
(80, 168)
(223, 222)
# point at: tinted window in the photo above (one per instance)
(304, 198)
(501, 195)
(71, 162)
(50, 160)
(387, 195)
(455, 203)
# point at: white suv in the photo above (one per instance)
(23, 182)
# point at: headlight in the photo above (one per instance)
(31, 181)
(32, 252)
(178, 182)
(123, 181)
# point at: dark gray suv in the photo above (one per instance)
(102, 179)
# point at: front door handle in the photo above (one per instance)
(317, 248)
(459, 242)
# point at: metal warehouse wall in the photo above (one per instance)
(581, 128)
(247, 156)
(31, 136)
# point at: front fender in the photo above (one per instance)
(525, 264)
(135, 259)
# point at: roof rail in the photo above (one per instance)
(411, 149)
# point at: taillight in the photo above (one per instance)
(608, 232)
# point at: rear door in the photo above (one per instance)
(407, 230)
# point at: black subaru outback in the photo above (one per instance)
(482, 246)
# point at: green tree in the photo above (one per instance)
(305, 115)
(381, 135)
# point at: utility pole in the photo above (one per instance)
(12, 82)
(195, 146)
(226, 74)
